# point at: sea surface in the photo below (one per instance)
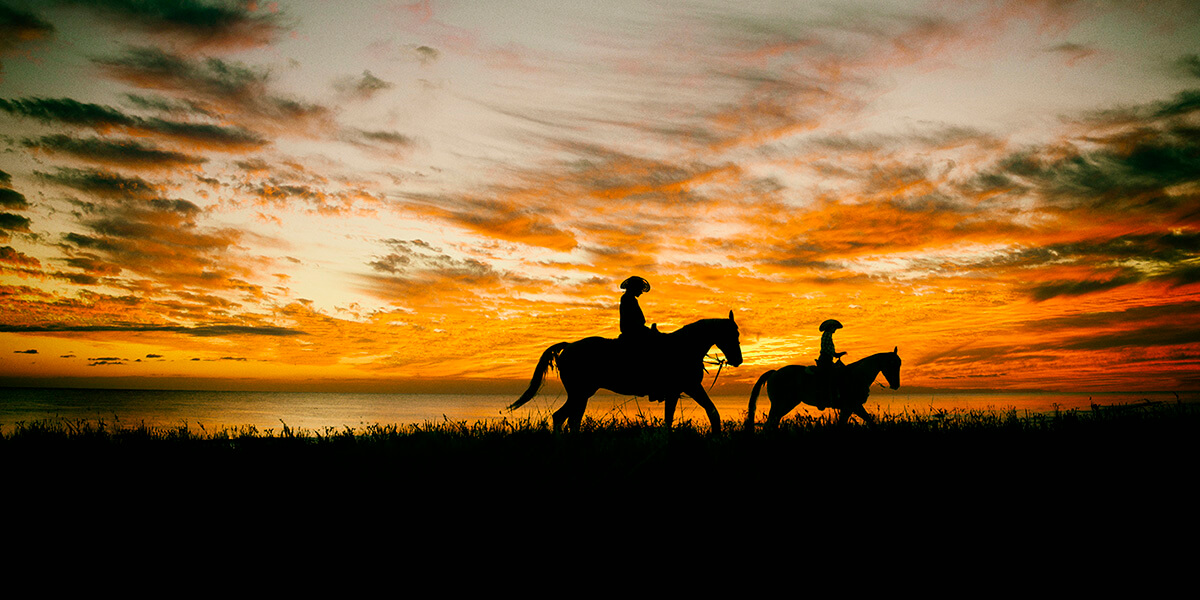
(320, 411)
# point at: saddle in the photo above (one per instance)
(827, 378)
(643, 353)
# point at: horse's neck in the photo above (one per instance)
(695, 338)
(868, 368)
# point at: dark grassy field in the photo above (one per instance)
(1097, 485)
(1107, 455)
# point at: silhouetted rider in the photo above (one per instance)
(634, 333)
(633, 322)
(826, 365)
(828, 351)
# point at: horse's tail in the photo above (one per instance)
(539, 373)
(754, 399)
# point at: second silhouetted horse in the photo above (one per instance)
(793, 384)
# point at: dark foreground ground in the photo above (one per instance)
(1092, 497)
(967, 493)
(1116, 458)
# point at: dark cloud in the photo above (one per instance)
(511, 222)
(1185, 102)
(93, 266)
(1073, 52)
(1129, 170)
(170, 106)
(215, 137)
(5, 179)
(12, 200)
(386, 137)
(201, 331)
(123, 151)
(416, 260)
(314, 192)
(427, 54)
(1141, 338)
(136, 230)
(104, 118)
(1189, 64)
(31, 351)
(11, 222)
(103, 184)
(1169, 258)
(118, 152)
(200, 24)
(107, 360)
(76, 278)
(1137, 316)
(68, 111)
(238, 90)
(415, 268)
(362, 88)
(11, 256)
(19, 27)
(1045, 291)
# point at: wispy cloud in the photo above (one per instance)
(198, 24)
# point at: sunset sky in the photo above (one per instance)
(397, 196)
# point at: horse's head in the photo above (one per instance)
(891, 368)
(729, 343)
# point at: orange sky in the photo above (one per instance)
(398, 196)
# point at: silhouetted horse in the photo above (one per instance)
(793, 384)
(669, 365)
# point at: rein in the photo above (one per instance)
(720, 362)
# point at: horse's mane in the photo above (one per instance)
(694, 326)
(873, 357)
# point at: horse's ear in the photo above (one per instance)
(731, 315)
(896, 350)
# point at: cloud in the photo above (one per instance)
(198, 24)
(11, 222)
(70, 112)
(391, 139)
(506, 220)
(104, 118)
(10, 256)
(104, 184)
(132, 228)
(427, 55)
(19, 28)
(1171, 259)
(25, 351)
(126, 152)
(1073, 52)
(414, 267)
(169, 106)
(12, 200)
(364, 87)
(238, 91)
(205, 331)
(1189, 64)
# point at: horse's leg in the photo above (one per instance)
(578, 403)
(784, 392)
(669, 411)
(560, 415)
(701, 398)
(843, 416)
(864, 415)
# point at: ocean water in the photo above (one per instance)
(318, 411)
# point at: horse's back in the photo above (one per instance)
(791, 374)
